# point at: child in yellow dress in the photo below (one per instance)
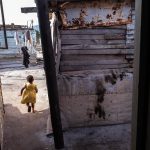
(28, 93)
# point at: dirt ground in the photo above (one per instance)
(27, 131)
(23, 130)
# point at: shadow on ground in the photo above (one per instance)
(28, 132)
(25, 131)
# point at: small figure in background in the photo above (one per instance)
(28, 93)
(26, 56)
(28, 37)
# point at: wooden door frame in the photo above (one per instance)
(141, 82)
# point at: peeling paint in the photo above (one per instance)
(96, 13)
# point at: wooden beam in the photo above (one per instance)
(50, 71)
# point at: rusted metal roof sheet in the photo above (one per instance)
(96, 13)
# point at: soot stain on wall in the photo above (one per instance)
(100, 92)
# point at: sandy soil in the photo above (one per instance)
(23, 130)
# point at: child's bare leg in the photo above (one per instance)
(32, 104)
(27, 104)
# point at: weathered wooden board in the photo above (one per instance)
(92, 37)
(86, 46)
(111, 36)
(93, 31)
(114, 27)
(91, 41)
(93, 62)
(81, 37)
(93, 67)
(98, 52)
(93, 58)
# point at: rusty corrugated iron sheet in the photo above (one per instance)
(95, 13)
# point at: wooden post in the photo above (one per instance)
(3, 23)
(50, 71)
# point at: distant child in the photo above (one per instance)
(28, 93)
(26, 56)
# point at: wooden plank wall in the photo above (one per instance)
(96, 49)
(92, 60)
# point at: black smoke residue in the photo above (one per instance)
(100, 92)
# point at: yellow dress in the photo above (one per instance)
(29, 93)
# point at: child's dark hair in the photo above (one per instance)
(30, 78)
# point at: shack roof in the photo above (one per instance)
(15, 27)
